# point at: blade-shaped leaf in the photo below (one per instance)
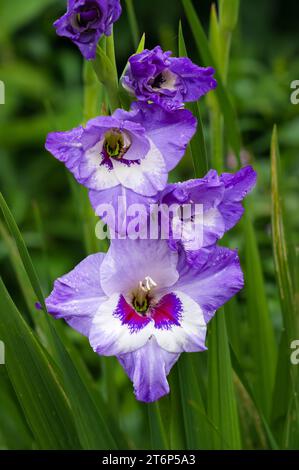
(198, 428)
(222, 406)
(157, 429)
(286, 284)
(262, 341)
(239, 371)
(280, 246)
(14, 431)
(36, 384)
(133, 22)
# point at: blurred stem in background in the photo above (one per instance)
(133, 22)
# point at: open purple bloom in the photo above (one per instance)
(220, 199)
(86, 21)
(153, 75)
(144, 304)
(128, 153)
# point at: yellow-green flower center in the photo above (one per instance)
(141, 307)
(114, 144)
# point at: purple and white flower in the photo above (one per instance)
(144, 304)
(86, 21)
(220, 199)
(155, 76)
(129, 153)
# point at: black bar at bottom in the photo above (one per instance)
(137, 459)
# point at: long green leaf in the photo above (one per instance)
(14, 431)
(262, 341)
(222, 406)
(216, 117)
(286, 285)
(158, 433)
(39, 391)
(198, 428)
(239, 371)
(176, 425)
(133, 21)
(280, 246)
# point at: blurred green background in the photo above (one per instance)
(44, 92)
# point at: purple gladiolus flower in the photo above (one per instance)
(129, 152)
(144, 304)
(153, 75)
(221, 200)
(86, 21)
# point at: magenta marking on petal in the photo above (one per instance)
(127, 162)
(106, 160)
(168, 312)
(129, 317)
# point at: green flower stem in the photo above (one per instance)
(93, 93)
(105, 68)
(217, 126)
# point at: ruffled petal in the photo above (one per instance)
(67, 148)
(77, 295)
(211, 285)
(148, 368)
(195, 81)
(170, 131)
(237, 186)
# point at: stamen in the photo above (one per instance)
(147, 284)
(141, 298)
